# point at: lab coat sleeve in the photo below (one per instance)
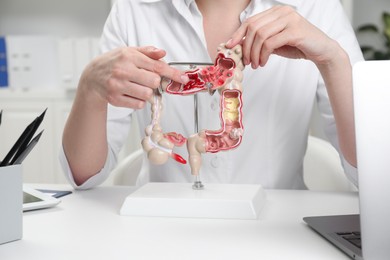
(115, 34)
(339, 28)
(118, 125)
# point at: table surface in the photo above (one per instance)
(87, 225)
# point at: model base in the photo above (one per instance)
(225, 201)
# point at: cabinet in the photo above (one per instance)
(49, 42)
(22, 107)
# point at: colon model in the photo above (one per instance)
(224, 76)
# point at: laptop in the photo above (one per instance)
(367, 236)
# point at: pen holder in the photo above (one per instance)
(11, 203)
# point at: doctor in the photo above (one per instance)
(296, 51)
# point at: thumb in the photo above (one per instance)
(152, 52)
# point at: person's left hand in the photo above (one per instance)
(281, 30)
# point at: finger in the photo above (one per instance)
(247, 44)
(152, 62)
(152, 52)
(162, 69)
(284, 36)
(258, 32)
(239, 35)
(262, 37)
(137, 91)
(129, 101)
(276, 42)
(116, 97)
(131, 73)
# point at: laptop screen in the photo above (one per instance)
(371, 81)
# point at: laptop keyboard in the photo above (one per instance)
(352, 237)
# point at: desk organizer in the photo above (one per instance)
(11, 203)
(225, 201)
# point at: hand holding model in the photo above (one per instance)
(124, 77)
(282, 31)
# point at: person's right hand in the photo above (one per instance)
(127, 76)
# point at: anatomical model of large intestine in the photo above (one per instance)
(226, 77)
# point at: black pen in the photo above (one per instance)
(18, 143)
(23, 140)
(1, 113)
(29, 137)
(19, 159)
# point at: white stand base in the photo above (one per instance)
(228, 201)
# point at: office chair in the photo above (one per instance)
(322, 167)
(128, 169)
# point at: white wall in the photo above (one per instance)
(369, 11)
(348, 6)
(59, 17)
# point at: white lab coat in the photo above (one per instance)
(277, 99)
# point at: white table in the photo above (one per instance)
(87, 225)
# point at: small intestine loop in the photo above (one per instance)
(224, 76)
(158, 145)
